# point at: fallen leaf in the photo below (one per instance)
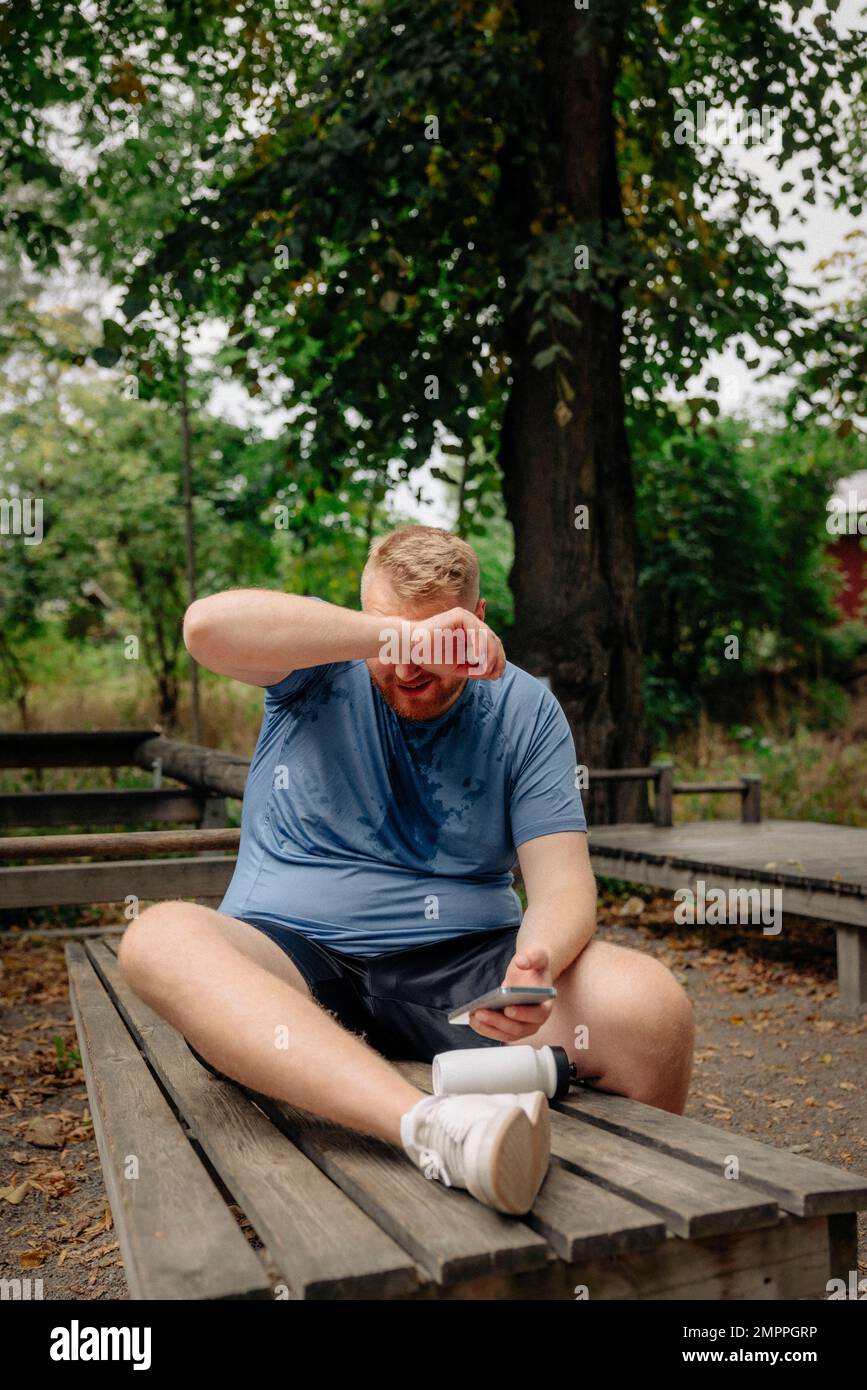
(15, 1194)
(736, 1019)
(32, 1259)
(633, 907)
(45, 1132)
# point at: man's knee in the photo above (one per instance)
(154, 939)
(651, 1016)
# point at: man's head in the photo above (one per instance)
(416, 572)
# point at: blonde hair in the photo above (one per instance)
(423, 561)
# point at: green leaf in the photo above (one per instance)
(564, 314)
(105, 356)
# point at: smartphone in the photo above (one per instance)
(502, 998)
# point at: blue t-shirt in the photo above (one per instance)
(371, 833)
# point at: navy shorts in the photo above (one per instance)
(400, 1001)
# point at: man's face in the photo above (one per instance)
(412, 692)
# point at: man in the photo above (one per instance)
(401, 764)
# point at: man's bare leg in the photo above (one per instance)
(639, 1023)
(237, 997)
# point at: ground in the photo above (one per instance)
(775, 1059)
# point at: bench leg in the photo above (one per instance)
(852, 967)
(843, 1246)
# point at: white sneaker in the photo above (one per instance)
(497, 1147)
(533, 1103)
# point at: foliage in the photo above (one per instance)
(108, 472)
(733, 543)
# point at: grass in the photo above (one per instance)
(807, 774)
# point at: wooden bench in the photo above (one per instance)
(635, 1205)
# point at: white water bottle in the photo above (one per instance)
(492, 1071)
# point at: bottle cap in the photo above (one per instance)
(564, 1072)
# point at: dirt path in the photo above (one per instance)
(775, 1059)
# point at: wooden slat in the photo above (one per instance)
(99, 748)
(55, 885)
(117, 844)
(449, 1233)
(323, 1245)
(708, 788)
(578, 1218)
(691, 1203)
(124, 807)
(798, 1184)
(177, 1237)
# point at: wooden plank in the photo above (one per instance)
(117, 844)
(125, 807)
(845, 903)
(194, 765)
(806, 854)
(577, 1218)
(56, 885)
(177, 1237)
(622, 774)
(798, 1184)
(707, 788)
(90, 748)
(691, 1202)
(449, 1233)
(320, 1241)
(784, 1262)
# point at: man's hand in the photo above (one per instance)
(456, 642)
(531, 966)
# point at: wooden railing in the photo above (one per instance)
(124, 863)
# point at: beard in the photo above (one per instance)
(430, 702)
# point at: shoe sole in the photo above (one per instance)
(510, 1164)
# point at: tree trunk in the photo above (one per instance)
(189, 529)
(575, 588)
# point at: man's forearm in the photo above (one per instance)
(564, 927)
(262, 630)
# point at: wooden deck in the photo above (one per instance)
(637, 1203)
(821, 870)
